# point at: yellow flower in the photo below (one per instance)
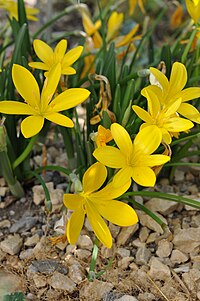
(12, 8)
(50, 57)
(94, 40)
(171, 90)
(193, 7)
(132, 5)
(114, 24)
(164, 117)
(97, 204)
(133, 159)
(41, 106)
(103, 136)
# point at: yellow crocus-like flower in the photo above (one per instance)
(164, 117)
(50, 57)
(12, 8)
(168, 91)
(95, 41)
(193, 7)
(132, 6)
(133, 159)
(43, 106)
(97, 204)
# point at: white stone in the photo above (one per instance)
(123, 252)
(142, 256)
(126, 234)
(164, 248)
(150, 223)
(178, 257)
(26, 254)
(165, 207)
(114, 230)
(96, 290)
(83, 254)
(62, 282)
(124, 262)
(85, 242)
(144, 233)
(32, 241)
(187, 240)
(5, 224)
(12, 244)
(158, 270)
(76, 273)
(39, 280)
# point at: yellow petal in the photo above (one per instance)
(132, 5)
(189, 112)
(60, 119)
(114, 24)
(154, 97)
(68, 99)
(154, 160)
(88, 25)
(98, 225)
(110, 192)
(32, 125)
(142, 114)
(73, 201)
(94, 177)
(15, 107)
(74, 226)
(128, 37)
(26, 85)
(118, 213)
(39, 65)
(162, 79)
(122, 139)
(167, 138)
(172, 108)
(44, 52)
(190, 93)
(123, 177)
(71, 56)
(147, 140)
(193, 7)
(178, 79)
(60, 50)
(50, 85)
(177, 124)
(144, 176)
(68, 71)
(110, 156)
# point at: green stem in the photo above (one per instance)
(48, 202)
(26, 152)
(165, 196)
(53, 167)
(91, 273)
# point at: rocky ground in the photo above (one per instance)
(148, 265)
